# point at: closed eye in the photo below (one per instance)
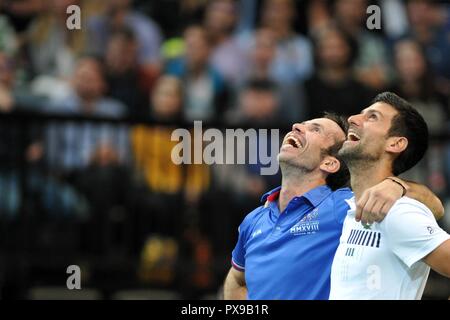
(315, 128)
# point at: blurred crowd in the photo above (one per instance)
(148, 66)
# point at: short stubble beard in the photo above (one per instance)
(356, 159)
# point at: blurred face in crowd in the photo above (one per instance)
(263, 51)
(420, 13)
(6, 71)
(258, 104)
(278, 13)
(306, 146)
(220, 16)
(197, 48)
(409, 61)
(367, 137)
(121, 54)
(88, 80)
(351, 11)
(167, 97)
(333, 50)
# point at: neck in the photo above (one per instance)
(368, 174)
(296, 183)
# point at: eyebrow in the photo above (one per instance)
(369, 110)
(315, 124)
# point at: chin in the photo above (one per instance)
(284, 157)
(349, 151)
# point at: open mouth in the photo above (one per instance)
(352, 136)
(293, 141)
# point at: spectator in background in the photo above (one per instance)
(205, 93)
(8, 39)
(87, 96)
(262, 54)
(6, 83)
(14, 96)
(261, 59)
(70, 146)
(427, 26)
(334, 87)
(371, 65)
(19, 147)
(415, 82)
(227, 56)
(166, 184)
(293, 60)
(127, 81)
(120, 14)
(52, 47)
(107, 186)
(22, 13)
(258, 104)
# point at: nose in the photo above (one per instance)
(298, 127)
(355, 120)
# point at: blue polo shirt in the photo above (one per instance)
(288, 255)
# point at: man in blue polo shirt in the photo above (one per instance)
(286, 247)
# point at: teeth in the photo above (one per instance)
(352, 134)
(296, 141)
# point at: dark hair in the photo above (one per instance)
(407, 123)
(341, 178)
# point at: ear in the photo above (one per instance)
(330, 164)
(396, 144)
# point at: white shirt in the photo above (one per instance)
(384, 261)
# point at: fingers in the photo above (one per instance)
(361, 204)
(372, 213)
(376, 202)
(384, 210)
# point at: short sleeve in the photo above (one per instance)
(411, 231)
(238, 254)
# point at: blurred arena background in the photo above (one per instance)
(86, 116)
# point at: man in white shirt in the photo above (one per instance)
(390, 259)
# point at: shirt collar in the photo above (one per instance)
(272, 195)
(314, 196)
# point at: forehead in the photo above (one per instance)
(384, 109)
(329, 126)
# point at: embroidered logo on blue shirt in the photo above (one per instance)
(309, 224)
(256, 233)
